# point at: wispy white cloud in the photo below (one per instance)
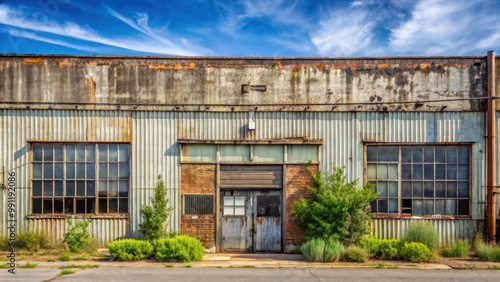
(441, 27)
(346, 32)
(34, 36)
(234, 15)
(149, 41)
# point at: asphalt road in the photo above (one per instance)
(252, 274)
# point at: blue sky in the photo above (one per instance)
(262, 28)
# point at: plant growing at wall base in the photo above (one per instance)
(382, 248)
(417, 252)
(181, 248)
(154, 217)
(130, 249)
(354, 254)
(338, 208)
(458, 249)
(78, 237)
(320, 250)
(32, 241)
(422, 232)
(484, 251)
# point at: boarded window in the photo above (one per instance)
(198, 204)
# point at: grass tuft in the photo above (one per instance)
(65, 256)
(458, 249)
(84, 266)
(28, 265)
(66, 272)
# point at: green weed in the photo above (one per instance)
(28, 265)
(85, 266)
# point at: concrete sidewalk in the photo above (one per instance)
(244, 260)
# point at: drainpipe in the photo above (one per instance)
(491, 149)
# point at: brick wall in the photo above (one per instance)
(198, 179)
(297, 181)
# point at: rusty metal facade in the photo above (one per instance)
(154, 151)
(448, 230)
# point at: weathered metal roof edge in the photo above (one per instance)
(235, 58)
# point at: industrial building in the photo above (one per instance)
(85, 137)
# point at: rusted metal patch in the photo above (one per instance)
(92, 87)
(33, 60)
(176, 66)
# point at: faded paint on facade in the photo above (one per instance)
(152, 103)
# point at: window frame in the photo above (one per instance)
(399, 162)
(249, 157)
(233, 206)
(96, 163)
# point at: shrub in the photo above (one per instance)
(417, 252)
(32, 241)
(319, 250)
(458, 249)
(78, 238)
(154, 217)
(337, 209)
(486, 252)
(333, 250)
(354, 254)
(382, 248)
(422, 232)
(4, 243)
(313, 249)
(130, 249)
(181, 248)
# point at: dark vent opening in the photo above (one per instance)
(198, 204)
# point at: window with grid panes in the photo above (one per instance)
(420, 180)
(233, 205)
(80, 178)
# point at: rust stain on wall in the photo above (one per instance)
(129, 131)
(383, 66)
(345, 66)
(33, 60)
(176, 66)
(75, 127)
(92, 86)
(64, 63)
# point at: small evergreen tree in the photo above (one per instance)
(337, 209)
(154, 217)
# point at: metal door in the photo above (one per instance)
(236, 222)
(267, 221)
(251, 221)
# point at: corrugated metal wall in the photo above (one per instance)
(154, 151)
(447, 229)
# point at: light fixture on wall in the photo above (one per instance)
(251, 121)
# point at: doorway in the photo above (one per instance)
(251, 221)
